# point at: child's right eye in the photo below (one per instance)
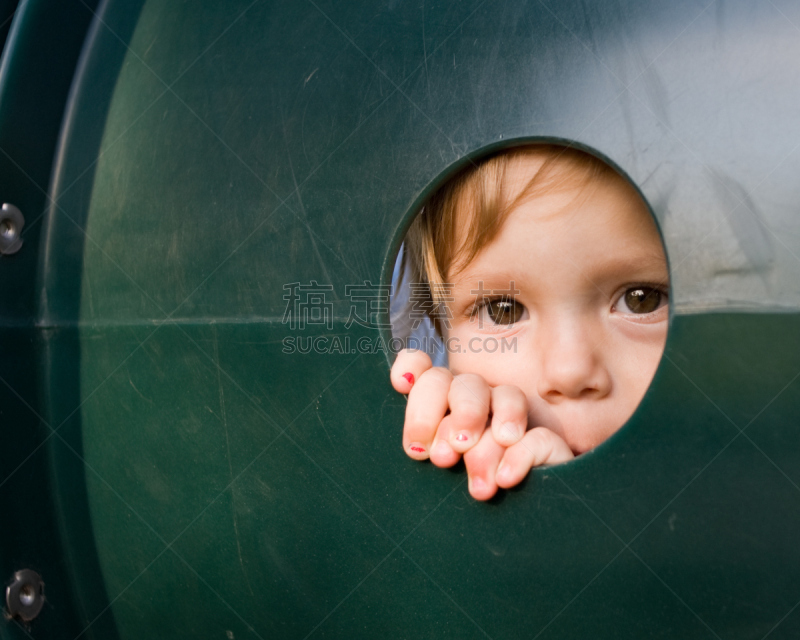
(502, 311)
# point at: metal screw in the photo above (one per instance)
(25, 595)
(11, 223)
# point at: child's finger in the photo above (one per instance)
(509, 414)
(427, 405)
(442, 454)
(539, 446)
(482, 461)
(409, 365)
(469, 400)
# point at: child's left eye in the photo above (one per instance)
(641, 300)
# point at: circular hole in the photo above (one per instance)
(27, 595)
(7, 228)
(539, 267)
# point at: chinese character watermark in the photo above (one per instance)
(430, 302)
(312, 304)
(308, 304)
(370, 299)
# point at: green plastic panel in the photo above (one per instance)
(7, 10)
(203, 483)
(37, 68)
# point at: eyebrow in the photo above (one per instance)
(490, 281)
(617, 267)
(640, 267)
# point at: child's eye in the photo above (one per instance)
(641, 300)
(503, 311)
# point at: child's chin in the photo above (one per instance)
(581, 443)
(583, 431)
(578, 450)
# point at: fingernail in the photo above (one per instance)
(502, 472)
(409, 377)
(441, 448)
(462, 437)
(478, 484)
(512, 429)
(416, 448)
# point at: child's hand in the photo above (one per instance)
(448, 416)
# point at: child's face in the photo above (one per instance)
(591, 313)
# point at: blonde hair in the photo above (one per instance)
(468, 211)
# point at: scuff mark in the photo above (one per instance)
(283, 567)
(139, 392)
(656, 91)
(671, 521)
(230, 465)
(310, 76)
(144, 55)
(233, 110)
(87, 284)
(304, 220)
(303, 128)
(746, 222)
(719, 20)
(587, 24)
(425, 55)
(660, 201)
(155, 361)
(274, 407)
(322, 424)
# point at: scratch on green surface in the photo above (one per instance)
(230, 466)
(322, 424)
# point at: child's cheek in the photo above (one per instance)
(635, 353)
(641, 334)
(497, 362)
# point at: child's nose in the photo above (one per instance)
(571, 363)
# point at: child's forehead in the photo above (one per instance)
(592, 244)
(564, 189)
(607, 204)
(537, 193)
(594, 216)
(533, 173)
